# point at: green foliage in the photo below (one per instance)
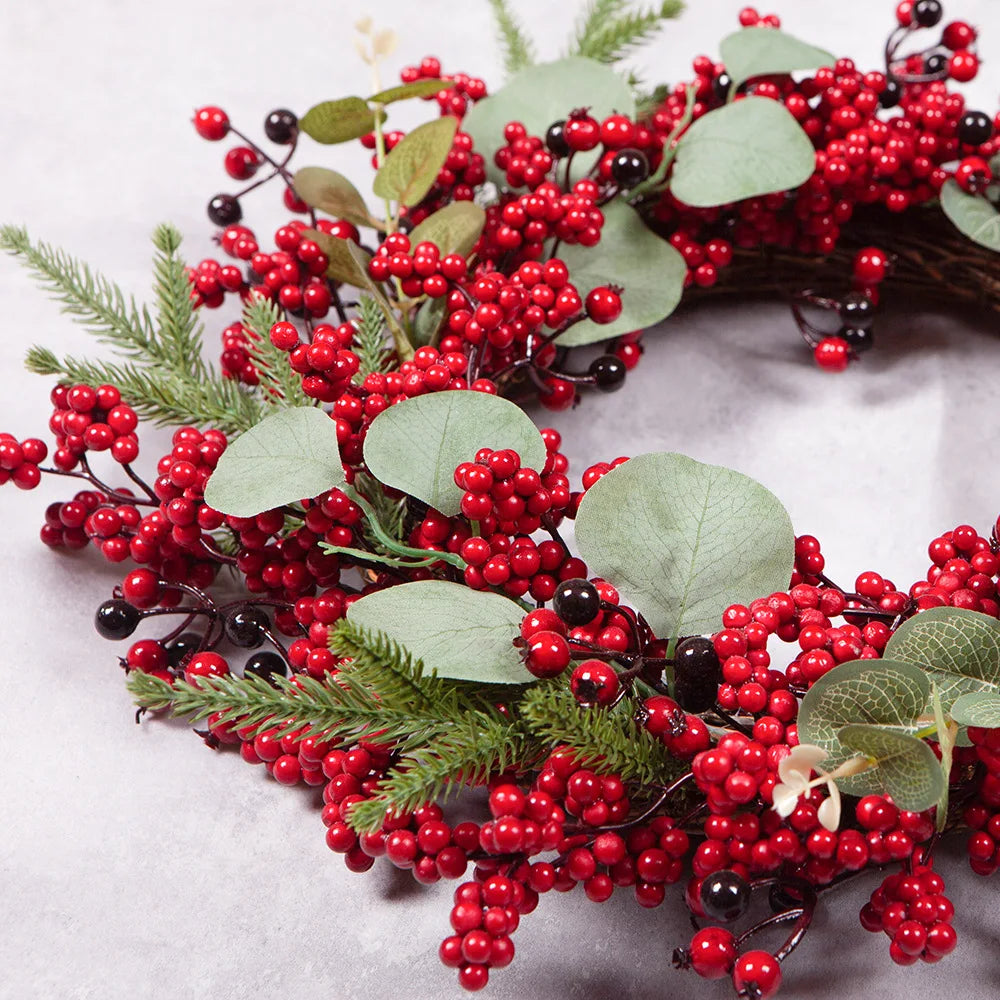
(413, 164)
(369, 341)
(453, 229)
(339, 121)
(178, 332)
(281, 386)
(333, 193)
(752, 52)
(518, 49)
(972, 215)
(405, 91)
(609, 31)
(388, 512)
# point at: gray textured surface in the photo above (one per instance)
(133, 863)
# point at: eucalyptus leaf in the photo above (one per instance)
(290, 455)
(412, 166)
(765, 51)
(748, 148)
(419, 88)
(981, 709)
(682, 540)
(415, 446)
(877, 692)
(907, 768)
(541, 95)
(332, 193)
(649, 269)
(959, 650)
(458, 633)
(343, 265)
(428, 321)
(339, 121)
(973, 215)
(453, 229)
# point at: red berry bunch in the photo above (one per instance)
(547, 212)
(85, 419)
(19, 461)
(325, 364)
(454, 100)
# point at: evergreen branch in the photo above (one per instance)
(518, 49)
(369, 340)
(178, 333)
(281, 386)
(607, 739)
(613, 40)
(646, 104)
(592, 21)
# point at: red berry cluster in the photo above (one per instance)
(326, 364)
(19, 461)
(454, 100)
(546, 213)
(983, 813)
(86, 419)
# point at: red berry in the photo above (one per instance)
(832, 354)
(604, 304)
(211, 123)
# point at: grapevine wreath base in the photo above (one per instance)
(674, 694)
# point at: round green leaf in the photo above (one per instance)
(419, 88)
(290, 455)
(766, 51)
(415, 446)
(540, 95)
(882, 693)
(906, 768)
(339, 121)
(332, 193)
(973, 215)
(452, 229)
(748, 148)
(682, 540)
(410, 169)
(649, 269)
(980, 709)
(459, 633)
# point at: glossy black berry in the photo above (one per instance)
(935, 64)
(927, 13)
(629, 167)
(555, 139)
(892, 95)
(975, 128)
(280, 126)
(721, 85)
(697, 674)
(182, 648)
(117, 619)
(609, 372)
(224, 210)
(576, 602)
(859, 339)
(857, 311)
(725, 895)
(266, 666)
(246, 627)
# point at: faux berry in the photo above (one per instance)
(211, 123)
(975, 128)
(725, 895)
(927, 13)
(576, 602)
(629, 167)
(697, 674)
(266, 665)
(594, 682)
(280, 126)
(224, 210)
(246, 628)
(604, 304)
(117, 619)
(857, 311)
(858, 339)
(756, 975)
(581, 132)
(608, 372)
(548, 654)
(832, 354)
(555, 139)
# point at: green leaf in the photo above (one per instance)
(959, 651)
(906, 768)
(344, 266)
(411, 168)
(881, 693)
(946, 733)
(419, 88)
(428, 321)
(290, 455)
(415, 446)
(649, 269)
(458, 633)
(334, 194)
(765, 51)
(748, 148)
(980, 709)
(973, 215)
(339, 121)
(682, 540)
(540, 95)
(452, 229)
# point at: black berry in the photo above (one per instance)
(935, 64)
(609, 372)
(246, 628)
(697, 674)
(975, 128)
(721, 85)
(576, 602)
(266, 666)
(927, 13)
(858, 339)
(183, 647)
(892, 95)
(725, 895)
(857, 311)
(629, 167)
(224, 210)
(117, 619)
(280, 126)
(555, 139)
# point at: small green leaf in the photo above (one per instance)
(344, 265)
(458, 633)
(339, 121)
(979, 709)
(290, 455)
(540, 95)
(906, 768)
(973, 215)
(649, 269)
(334, 194)
(419, 88)
(428, 321)
(765, 51)
(748, 148)
(682, 540)
(415, 446)
(882, 693)
(959, 651)
(452, 229)
(410, 169)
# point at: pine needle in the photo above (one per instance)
(518, 49)
(369, 341)
(613, 38)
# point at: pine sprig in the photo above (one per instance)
(608, 739)
(592, 21)
(518, 49)
(610, 39)
(178, 332)
(281, 386)
(370, 345)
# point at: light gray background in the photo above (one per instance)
(133, 861)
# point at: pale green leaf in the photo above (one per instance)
(682, 540)
(332, 193)
(981, 709)
(419, 88)
(452, 229)
(290, 455)
(748, 148)
(648, 268)
(339, 121)
(343, 265)
(428, 321)
(412, 166)
(767, 51)
(458, 633)
(945, 736)
(973, 215)
(415, 446)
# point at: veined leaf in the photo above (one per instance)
(334, 194)
(410, 169)
(419, 88)
(339, 121)
(343, 265)
(973, 215)
(453, 229)
(767, 51)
